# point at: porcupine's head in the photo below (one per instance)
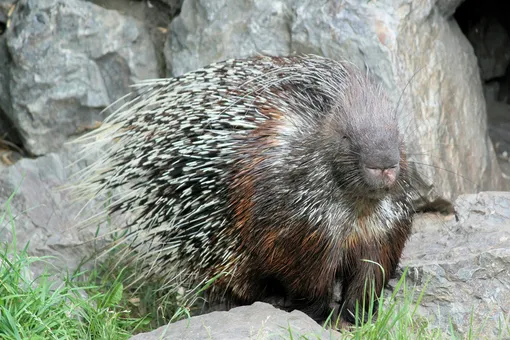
(364, 146)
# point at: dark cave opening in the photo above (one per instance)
(486, 24)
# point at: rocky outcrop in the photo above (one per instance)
(69, 59)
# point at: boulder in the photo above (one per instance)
(69, 59)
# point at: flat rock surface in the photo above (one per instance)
(258, 321)
(466, 259)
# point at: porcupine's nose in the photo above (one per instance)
(382, 177)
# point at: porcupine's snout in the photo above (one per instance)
(381, 165)
(382, 177)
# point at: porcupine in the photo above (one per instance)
(285, 172)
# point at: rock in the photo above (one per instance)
(447, 91)
(142, 9)
(399, 42)
(44, 213)
(70, 59)
(467, 258)
(156, 15)
(212, 30)
(258, 321)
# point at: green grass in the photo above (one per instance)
(397, 317)
(147, 300)
(104, 303)
(50, 307)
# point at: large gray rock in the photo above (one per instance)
(210, 30)
(443, 111)
(258, 321)
(70, 59)
(466, 259)
(156, 14)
